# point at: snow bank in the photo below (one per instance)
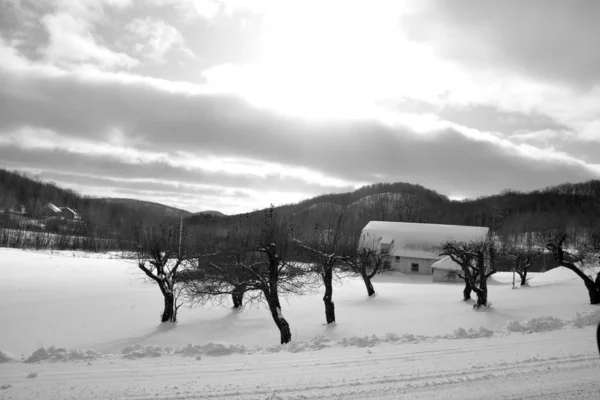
(139, 351)
(462, 333)
(545, 324)
(322, 341)
(586, 319)
(211, 349)
(53, 354)
(558, 274)
(190, 350)
(541, 324)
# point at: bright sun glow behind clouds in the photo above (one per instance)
(334, 59)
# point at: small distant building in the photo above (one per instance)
(19, 210)
(446, 270)
(50, 210)
(414, 248)
(69, 213)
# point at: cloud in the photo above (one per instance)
(90, 10)
(79, 118)
(71, 42)
(109, 169)
(550, 40)
(546, 136)
(117, 126)
(190, 10)
(155, 39)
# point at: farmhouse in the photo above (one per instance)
(52, 211)
(414, 248)
(69, 213)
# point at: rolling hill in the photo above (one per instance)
(566, 207)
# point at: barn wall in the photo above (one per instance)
(441, 275)
(404, 264)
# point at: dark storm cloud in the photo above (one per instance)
(354, 151)
(81, 106)
(481, 117)
(545, 39)
(78, 169)
(488, 118)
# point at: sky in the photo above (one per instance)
(232, 105)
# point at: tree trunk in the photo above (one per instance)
(238, 297)
(593, 291)
(523, 276)
(592, 287)
(368, 284)
(328, 297)
(482, 290)
(467, 290)
(481, 297)
(169, 313)
(598, 337)
(282, 324)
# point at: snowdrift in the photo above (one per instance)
(138, 351)
(55, 304)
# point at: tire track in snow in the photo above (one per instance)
(556, 364)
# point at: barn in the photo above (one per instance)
(50, 210)
(413, 248)
(446, 270)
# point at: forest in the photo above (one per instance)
(573, 208)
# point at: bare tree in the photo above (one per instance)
(521, 259)
(256, 260)
(472, 259)
(407, 207)
(161, 253)
(598, 336)
(215, 274)
(214, 278)
(362, 258)
(579, 262)
(323, 250)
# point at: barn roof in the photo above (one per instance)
(417, 240)
(53, 208)
(446, 263)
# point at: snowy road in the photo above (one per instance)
(562, 365)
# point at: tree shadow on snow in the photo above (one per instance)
(119, 344)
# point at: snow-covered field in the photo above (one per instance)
(96, 320)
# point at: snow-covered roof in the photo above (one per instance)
(386, 240)
(446, 263)
(70, 210)
(417, 240)
(53, 207)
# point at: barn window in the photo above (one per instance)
(414, 267)
(451, 274)
(397, 258)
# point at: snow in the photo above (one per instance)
(88, 327)
(446, 263)
(417, 240)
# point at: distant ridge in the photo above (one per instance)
(149, 206)
(213, 213)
